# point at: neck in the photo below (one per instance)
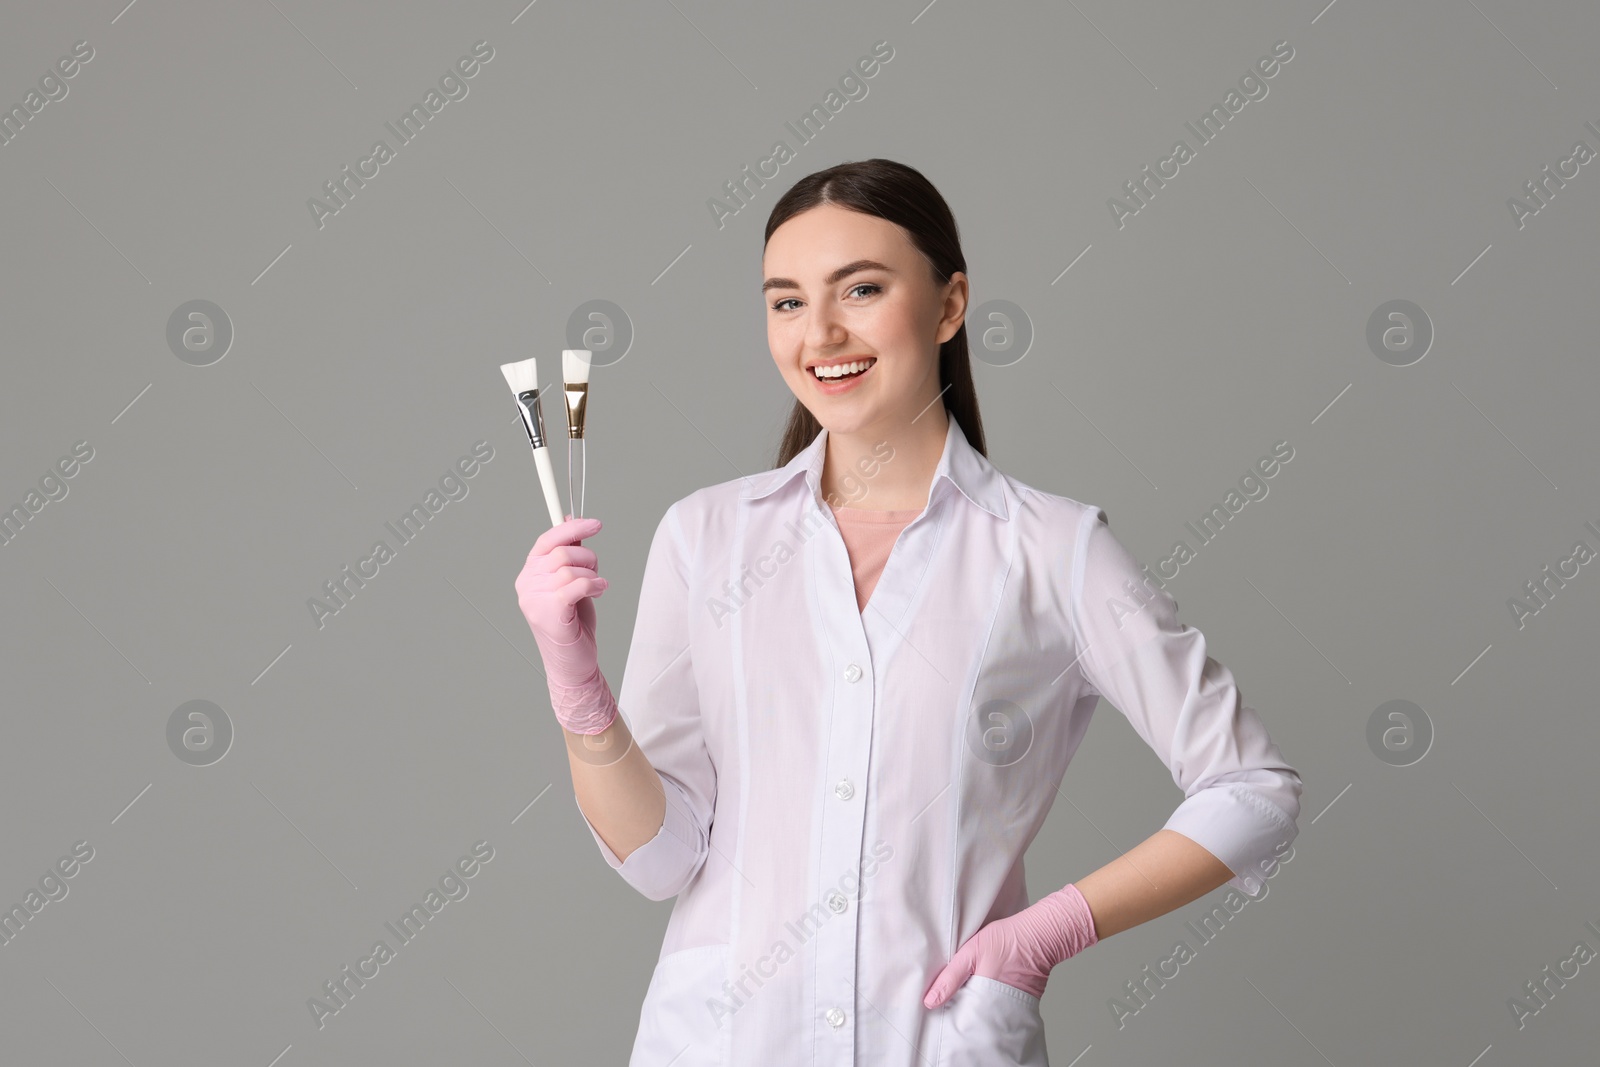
(885, 469)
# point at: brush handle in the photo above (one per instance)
(547, 478)
(575, 482)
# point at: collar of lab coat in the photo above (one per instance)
(960, 465)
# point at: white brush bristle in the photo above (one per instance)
(575, 366)
(521, 376)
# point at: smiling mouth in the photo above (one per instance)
(843, 371)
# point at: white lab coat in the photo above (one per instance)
(850, 794)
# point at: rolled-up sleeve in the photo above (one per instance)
(660, 703)
(1241, 798)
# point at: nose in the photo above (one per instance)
(824, 329)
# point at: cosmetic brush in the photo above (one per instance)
(523, 378)
(575, 376)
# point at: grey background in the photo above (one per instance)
(1227, 315)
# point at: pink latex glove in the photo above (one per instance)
(554, 591)
(1020, 949)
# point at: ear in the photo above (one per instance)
(954, 311)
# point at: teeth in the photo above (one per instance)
(842, 369)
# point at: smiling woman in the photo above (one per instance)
(873, 342)
(912, 670)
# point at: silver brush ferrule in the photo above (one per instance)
(532, 417)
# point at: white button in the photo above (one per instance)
(835, 1018)
(837, 902)
(844, 790)
(852, 673)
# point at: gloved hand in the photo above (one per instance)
(554, 591)
(1020, 949)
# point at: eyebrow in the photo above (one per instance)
(843, 272)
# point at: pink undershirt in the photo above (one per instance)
(868, 536)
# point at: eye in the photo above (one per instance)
(871, 288)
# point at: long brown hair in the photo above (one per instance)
(900, 194)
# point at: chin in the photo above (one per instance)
(844, 426)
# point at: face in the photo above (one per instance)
(847, 288)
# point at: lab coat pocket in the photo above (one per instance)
(677, 1023)
(990, 1022)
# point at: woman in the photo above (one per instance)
(844, 750)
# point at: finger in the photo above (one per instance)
(576, 555)
(952, 978)
(542, 582)
(570, 532)
(564, 575)
(571, 599)
(565, 533)
(928, 998)
(937, 993)
(545, 581)
(583, 524)
(577, 589)
(546, 574)
(536, 580)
